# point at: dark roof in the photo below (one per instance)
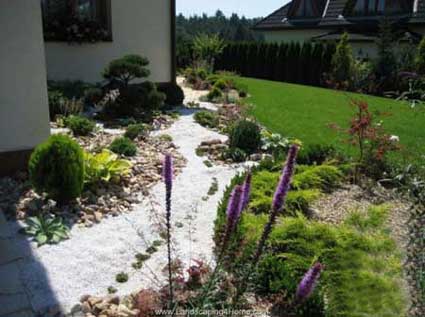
(333, 15)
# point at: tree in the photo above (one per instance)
(208, 47)
(126, 69)
(420, 58)
(342, 61)
(386, 63)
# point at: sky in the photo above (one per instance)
(248, 8)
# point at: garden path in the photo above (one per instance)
(58, 275)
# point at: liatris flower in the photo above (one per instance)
(246, 193)
(278, 203)
(168, 180)
(285, 180)
(308, 283)
(234, 207)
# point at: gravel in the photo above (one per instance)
(58, 275)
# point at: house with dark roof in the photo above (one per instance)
(326, 20)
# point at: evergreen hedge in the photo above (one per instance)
(289, 62)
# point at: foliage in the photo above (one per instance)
(126, 69)
(342, 63)
(386, 63)
(420, 58)
(93, 96)
(121, 277)
(363, 268)
(324, 177)
(104, 167)
(245, 135)
(138, 101)
(274, 143)
(207, 119)
(288, 62)
(71, 89)
(57, 168)
(214, 94)
(61, 105)
(207, 47)
(222, 84)
(236, 155)
(174, 95)
(46, 230)
(370, 139)
(316, 154)
(123, 146)
(79, 125)
(134, 131)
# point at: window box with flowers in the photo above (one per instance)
(77, 21)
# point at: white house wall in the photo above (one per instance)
(24, 116)
(138, 27)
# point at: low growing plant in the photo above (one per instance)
(135, 130)
(46, 229)
(104, 167)
(80, 126)
(214, 94)
(123, 146)
(207, 118)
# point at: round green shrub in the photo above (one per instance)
(214, 94)
(56, 167)
(173, 92)
(207, 119)
(235, 154)
(123, 146)
(245, 135)
(79, 125)
(221, 84)
(135, 130)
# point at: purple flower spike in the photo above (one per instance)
(167, 172)
(234, 207)
(246, 193)
(308, 283)
(285, 180)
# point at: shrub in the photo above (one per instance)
(123, 146)
(135, 130)
(174, 94)
(420, 58)
(221, 84)
(207, 119)
(71, 89)
(214, 94)
(235, 154)
(139, 101)
(363, 268)
(342, 62)
(79, 125)
(324, 177)
(56, 167)
(316, 154)
(104, 167)
(245, 135)
(59, 104)
(126, 69)
(93, 96)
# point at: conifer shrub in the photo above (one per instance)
(342, 63)
(123, 146)
(245, 135)
(135, 130)
(214, 94)
(174, 95)
(79, 125)
(207, 118)
(420, 58)
(56, 167)
(127, 68)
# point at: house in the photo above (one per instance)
(326, 20)
(81, 37)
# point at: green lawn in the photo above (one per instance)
(305, 112)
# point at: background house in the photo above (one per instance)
(326, 20)
(144, 27)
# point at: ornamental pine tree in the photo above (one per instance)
(342, 61)
(420, 58)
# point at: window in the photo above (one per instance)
(77, 20)
(382, 7)
(307, 8)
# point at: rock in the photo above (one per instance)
(211, 142)
(256, 157)
(98, 216)
(84, 298)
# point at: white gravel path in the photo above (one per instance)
(90, 260)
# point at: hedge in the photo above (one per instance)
(288, 62)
